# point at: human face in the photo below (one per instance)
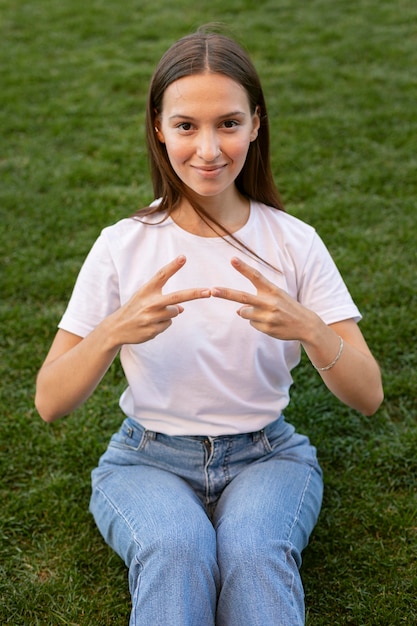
(206, 125)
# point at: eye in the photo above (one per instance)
(184, 126)
(230, 123)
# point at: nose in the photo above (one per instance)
(208, 147)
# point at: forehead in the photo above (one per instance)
(205, 92)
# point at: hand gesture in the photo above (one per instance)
(271, 310)
(149, 311)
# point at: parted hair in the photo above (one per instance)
(208, 51)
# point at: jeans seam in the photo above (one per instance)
(301, 502)
(126, 431)
(266, 442)
(135, 596)
(119, 513)
(288, 558)
(209, 453)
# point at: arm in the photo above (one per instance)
(355, 378)
(71, 371)
(75, 366)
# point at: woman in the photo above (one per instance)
(206, 492)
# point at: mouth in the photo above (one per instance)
(209, 171)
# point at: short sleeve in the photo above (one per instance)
(96, 292)
(322, 288)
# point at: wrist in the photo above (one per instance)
(332, 363)
(108, 336)
(324, 347)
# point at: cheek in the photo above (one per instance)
(176, 152)
(239, 150)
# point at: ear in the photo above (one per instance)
(157, 128)
(256, 122)
(159, 134)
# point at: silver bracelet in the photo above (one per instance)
(335, 360)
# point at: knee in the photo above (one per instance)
(137, 532)
(172, 541)
(180, 553)
(249, 545)
(183, 539)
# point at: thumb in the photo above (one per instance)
(246, 312)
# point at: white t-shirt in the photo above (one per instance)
(210, 373)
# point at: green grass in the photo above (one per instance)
(341, 85)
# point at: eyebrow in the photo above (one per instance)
(221, 117)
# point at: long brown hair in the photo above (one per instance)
(198, 53)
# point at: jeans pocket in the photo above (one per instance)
(285, 442)
(277, 434)
(131, 436)
(268, 448)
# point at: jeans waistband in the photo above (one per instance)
(250, 436)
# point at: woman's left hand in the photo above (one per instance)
(355, 379)
(271, 310)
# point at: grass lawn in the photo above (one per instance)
(341, 83)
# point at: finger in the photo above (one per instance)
(174, 310)
(166, 313)
(164, 273)
(254, 315)
(252, 274)
(247, 312)
(163, 319)
(235, 295)
(185, 295)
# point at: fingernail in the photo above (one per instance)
(205, 293)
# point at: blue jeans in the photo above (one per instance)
(211, 528)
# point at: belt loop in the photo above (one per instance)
(257, 435)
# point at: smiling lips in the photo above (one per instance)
(209, 171)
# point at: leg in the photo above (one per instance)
(154, 521)
(263, 521)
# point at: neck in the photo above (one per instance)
(231, 213)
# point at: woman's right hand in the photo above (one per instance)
(149, 312)
(75, 365)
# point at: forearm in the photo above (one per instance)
(69, 376)
(75, 366)
(355, 378)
